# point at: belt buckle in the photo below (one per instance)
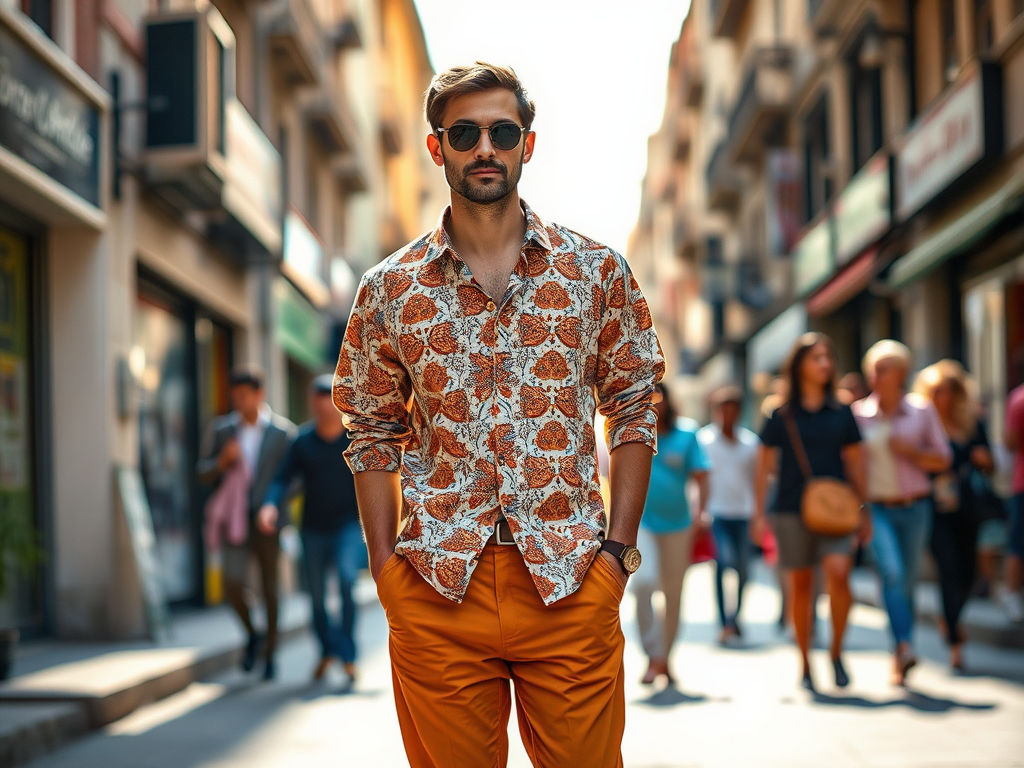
(503, 533)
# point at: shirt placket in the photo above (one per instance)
(503, 344)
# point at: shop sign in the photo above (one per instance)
(863, 211)
(949, 139)
(813, 257)
(46, 121)
(298, 328)
(304, 258)
(252, 193)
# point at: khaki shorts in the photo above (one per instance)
(800, 548)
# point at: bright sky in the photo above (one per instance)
(597, 71)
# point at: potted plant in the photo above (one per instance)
(19, 553)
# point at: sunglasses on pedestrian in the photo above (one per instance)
(464, 136)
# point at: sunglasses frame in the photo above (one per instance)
(522, 130)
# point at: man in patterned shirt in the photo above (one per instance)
(469, 376)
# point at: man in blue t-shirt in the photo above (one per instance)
(331, 535)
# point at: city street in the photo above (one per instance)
(732, 707)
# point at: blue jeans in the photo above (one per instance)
(733, 552)
(345, 551)
(901, 534)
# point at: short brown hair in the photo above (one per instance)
(481, 76)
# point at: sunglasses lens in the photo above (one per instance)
(505, 136)
(463, 137)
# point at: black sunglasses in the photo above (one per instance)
(465, 136)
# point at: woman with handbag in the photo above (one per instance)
(667, 534)
(813, 441)
(904, 444)
(959, 511)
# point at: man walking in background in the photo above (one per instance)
(331, 536)
(732, 451)
(487, 533)
(251, 439)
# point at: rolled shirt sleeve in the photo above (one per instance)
(371, 386)
(630, 361)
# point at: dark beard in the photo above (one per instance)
(487, 193)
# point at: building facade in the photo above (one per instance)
(184, 186)
(853, 168)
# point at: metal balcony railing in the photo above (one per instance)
(763, 103)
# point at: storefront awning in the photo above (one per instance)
(958, 235)
(850, 281)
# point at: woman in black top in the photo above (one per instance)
(954, 528)
(832, 442)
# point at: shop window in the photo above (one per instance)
(865, 99)
(817, 161)
(950, 57)
(41, 12)
(983, 34)
(19, 514)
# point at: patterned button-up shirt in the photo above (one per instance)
(488, 408)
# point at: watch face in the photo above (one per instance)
(631, 559)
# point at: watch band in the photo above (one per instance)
(614, 547)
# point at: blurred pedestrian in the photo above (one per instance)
(830, 439)
(905, 444)
(955, 526)
(732, 451)
(852, 388)
(666, 536)
(253, 439)
(487, 533)
(1011, 597)
(331, 536)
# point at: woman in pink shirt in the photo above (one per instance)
(904, 444)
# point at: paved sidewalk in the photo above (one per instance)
(60, 690)
(734, 708)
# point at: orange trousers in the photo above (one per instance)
(452, 665)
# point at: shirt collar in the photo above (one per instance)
(536, 237)
(870, 407)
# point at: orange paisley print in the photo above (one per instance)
(487, 407)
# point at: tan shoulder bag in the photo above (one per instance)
(829, 507)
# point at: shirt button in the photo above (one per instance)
(490, 306)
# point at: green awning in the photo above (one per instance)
(299, 328)
(956, 237)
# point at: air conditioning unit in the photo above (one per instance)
(190, 78)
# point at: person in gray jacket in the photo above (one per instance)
(252, 434)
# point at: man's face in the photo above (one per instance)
(246, 399)
(321, 405)
(483, 174)
(729, 412)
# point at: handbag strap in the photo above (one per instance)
(798, 444)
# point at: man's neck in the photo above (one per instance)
(729, 432)
(889, 402)
(486, 231)
(329, 429)
(251, 418)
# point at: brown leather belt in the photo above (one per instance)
(502, 535)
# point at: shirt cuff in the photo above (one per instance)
(374, 457)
